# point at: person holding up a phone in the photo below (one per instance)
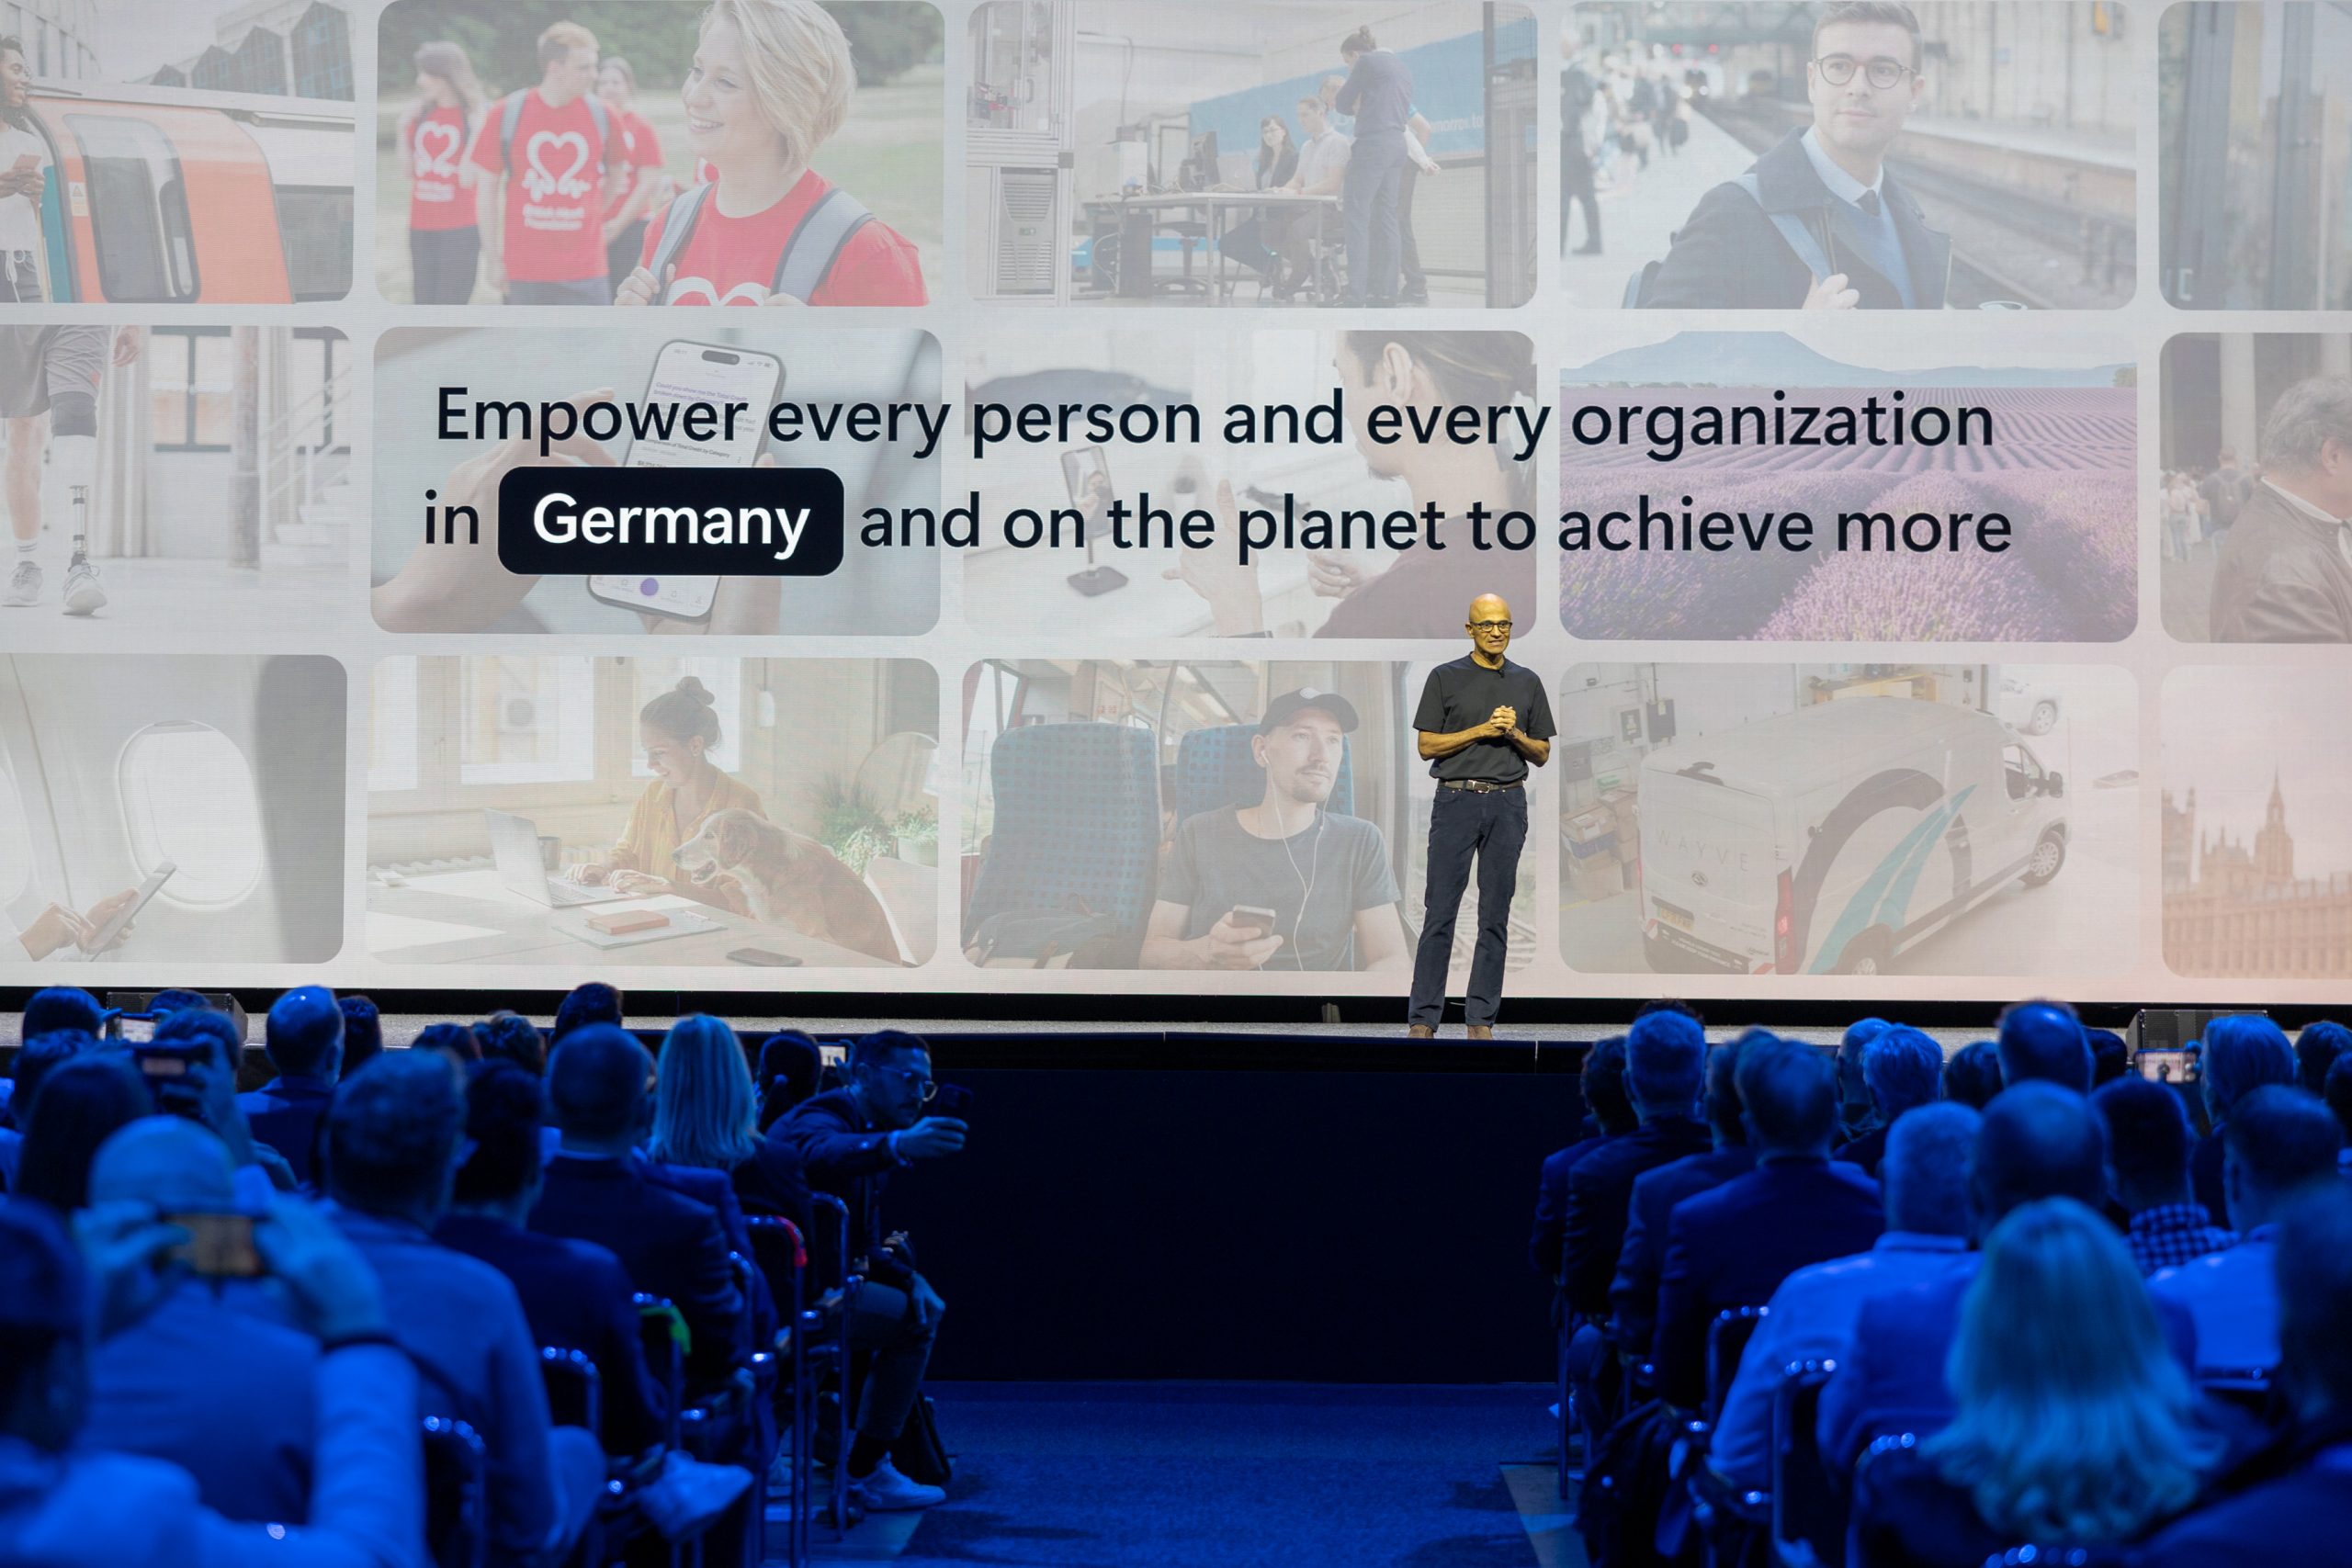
(57, 926)
(24, 157)
(678, 729)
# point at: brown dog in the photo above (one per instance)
(789, 879)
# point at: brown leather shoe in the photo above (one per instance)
(1482, 1032)
(1420, 1032)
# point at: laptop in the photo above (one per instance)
(514, 849)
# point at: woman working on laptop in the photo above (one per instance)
(678, 729)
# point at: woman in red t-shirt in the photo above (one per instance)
(771, 81)
(444, 245)
(640, 163)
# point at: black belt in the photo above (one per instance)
(1479, 787)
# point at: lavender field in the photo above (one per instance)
(2061, 467)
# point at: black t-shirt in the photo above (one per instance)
(1465, 692)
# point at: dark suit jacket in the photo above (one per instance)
(670, 1245)
(844, 1154)
(1866, 1151)
(285, 1114)
(771, 1182)
(713, 1189)
(2282, 576)
(1632, 1295)
(1601, 1190)
(1733, 1247)
(1551, 1205)
(2288, 1504)
(1731, 257)
(1893, 1377)
(576, 1296)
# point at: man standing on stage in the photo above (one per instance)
(1483, 721)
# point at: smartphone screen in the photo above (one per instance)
(105, 935)
(1257, 922)
(219, 1245)
(696, 373)
(763, 958)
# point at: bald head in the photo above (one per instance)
(165, 1161)
(1489, 624)
(305, 1034)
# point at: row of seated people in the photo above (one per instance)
(463, 1205)
(1984, 1307)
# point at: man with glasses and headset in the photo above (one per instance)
(1816, 223)
(849, 1140)
(1483, 721)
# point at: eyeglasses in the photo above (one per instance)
(1838, 69)
(907, 1078)
(1484, 626)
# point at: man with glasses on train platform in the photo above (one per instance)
(849, 1140)
(1816, 223)
(1483, 722)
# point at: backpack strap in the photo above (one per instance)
(1799, 238)
(510, 115)
(677, 227)
(817, 242)
(603, 117)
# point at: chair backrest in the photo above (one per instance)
(457, 1519)
(1076, 817)
(1214, 768)
(661, 1328)
(908, 895)
(2250, 1389)
(1808, 1508)
(1728, 1337)
(783, 1256)
(575, 1388)
(827, 1242)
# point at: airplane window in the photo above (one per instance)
(189, 798)
(15, 842)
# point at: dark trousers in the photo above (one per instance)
(442, 264)
(621, 256)
(1409, 254)
(1368, 204)
(570, 292)
(1492, 827)
(1576, 187)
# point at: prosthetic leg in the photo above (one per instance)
(73, 466)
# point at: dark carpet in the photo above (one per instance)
(1188, 1475)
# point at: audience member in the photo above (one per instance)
(363, 1033)
(205, 1372)
(2037, 1140)
(2316, 1050)
(2110, 1055)
(68, 1504)
(706, 1115)
(2288, 1504)
(1973, 1075)
(790, 1064)
(2239, 1054)
(61, 1007)
(1924, 1183)
(207, 1091)
(1902, 1069)
(2339, 1095)
(82, 1103)
(1665, 1071)
(849, 1140)
(2043, 1040)
(597, 1189)
(391, 1144)
(595, 1002)
(2069, 1426)
(1733, 1247)
(1633, 1294)
(304, 1043)
(511, 1037)
(455, 1041)
(1853, 1091)
(1608, 1114)
(2147, 1152)
(35, 1058)
(173, 998)
(575, 1295)
(2278, 1139)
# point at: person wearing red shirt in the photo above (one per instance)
(771, 81)
(541, 220)
(443, 246)
(640, 170)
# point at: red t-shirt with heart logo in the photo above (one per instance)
(554, 198)
(641, 156)
(434, 144)
(731, 261)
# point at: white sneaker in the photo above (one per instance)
(83, 594)
(888, 1492)
(24, 587)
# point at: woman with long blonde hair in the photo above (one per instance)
(705, 1114)
(2076, 1426)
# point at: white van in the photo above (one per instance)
(1829, 840)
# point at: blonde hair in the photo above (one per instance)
(705, 1112)
(2075, 1422)
(562, 38)
(799, 63)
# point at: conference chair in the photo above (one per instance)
(575, 1388)
(1214, 768)
(457, 1521)
(1807, 1514)
(2251, 1389)
(1077, 833)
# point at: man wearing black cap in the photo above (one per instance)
(1283, 884)
(1483, 720)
